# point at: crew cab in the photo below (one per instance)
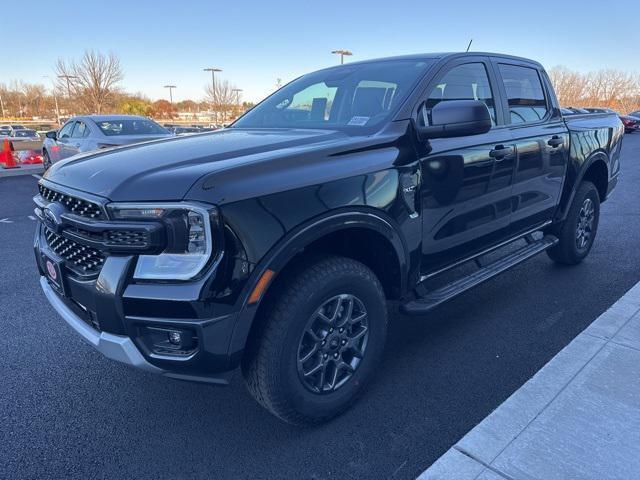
(278, 244)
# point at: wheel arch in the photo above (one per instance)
(331, 234)
(596, 170)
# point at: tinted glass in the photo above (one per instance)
(80, 130)
(464, 82)
(527, 102)
(349, 97)
(131, 127)
(66, 130)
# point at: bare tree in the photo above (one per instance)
(604, 88)
(570, 86)
(223, 99)
(93, 80)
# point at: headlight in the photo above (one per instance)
(189, 238)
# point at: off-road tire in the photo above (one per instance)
(270, 364)
(567, 251)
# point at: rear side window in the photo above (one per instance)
(525, 94)
(464, 82)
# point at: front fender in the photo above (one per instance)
(302, 236)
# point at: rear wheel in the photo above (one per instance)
(577, 233)
(319, 343)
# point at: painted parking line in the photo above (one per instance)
(11, 220)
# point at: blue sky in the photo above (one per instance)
(256, 42)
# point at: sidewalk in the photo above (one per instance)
(577, 418)
(22, 170)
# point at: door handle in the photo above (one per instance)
(500, 152)
(77, 145)
(555, 141)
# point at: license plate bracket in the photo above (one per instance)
(53, 272)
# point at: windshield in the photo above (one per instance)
(134, 126)
(350, 96)
(25, 133)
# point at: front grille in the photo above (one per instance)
(114, 238)
(75, 205)
(80, 258)
(128, 238)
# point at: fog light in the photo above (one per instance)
(169, 341)
(175, 338)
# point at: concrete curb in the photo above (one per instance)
(558, 405)
(22, 170)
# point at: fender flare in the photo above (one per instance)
(300, 237)
(598, 156)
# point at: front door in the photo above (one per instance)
(466, 181)
(63, 143)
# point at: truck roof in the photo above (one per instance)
(448, 55)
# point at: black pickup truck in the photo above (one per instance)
(278, 244)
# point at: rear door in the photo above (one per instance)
(541, 139)
(466, 187)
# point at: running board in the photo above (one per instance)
(436, 297)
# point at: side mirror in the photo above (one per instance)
(52, 134)
(454, 118)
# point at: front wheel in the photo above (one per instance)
(319, 342)
(578, 231)
(46, 160)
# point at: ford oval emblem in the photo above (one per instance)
(51, 218)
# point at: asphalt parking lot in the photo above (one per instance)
(65, 411)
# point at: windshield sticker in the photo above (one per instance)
(358, 121)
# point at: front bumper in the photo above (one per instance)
(117, 347)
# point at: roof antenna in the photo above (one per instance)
(469, 46)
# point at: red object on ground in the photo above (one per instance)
(6, 155)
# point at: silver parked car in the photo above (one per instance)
(92, 132)
(26, 134)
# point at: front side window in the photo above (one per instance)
(66, 130)
(349, 97)
(464, 82)
(525, 94)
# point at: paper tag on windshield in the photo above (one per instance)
(358, 121)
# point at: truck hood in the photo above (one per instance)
(165, 170)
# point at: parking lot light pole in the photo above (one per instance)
(67, 78)
(170, 87)
(342, 54)
(237, 92)
(213, 71)
(55, 97)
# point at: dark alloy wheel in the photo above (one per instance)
(319, 339)
(577, 232)
(586, 219)
(333, 344)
